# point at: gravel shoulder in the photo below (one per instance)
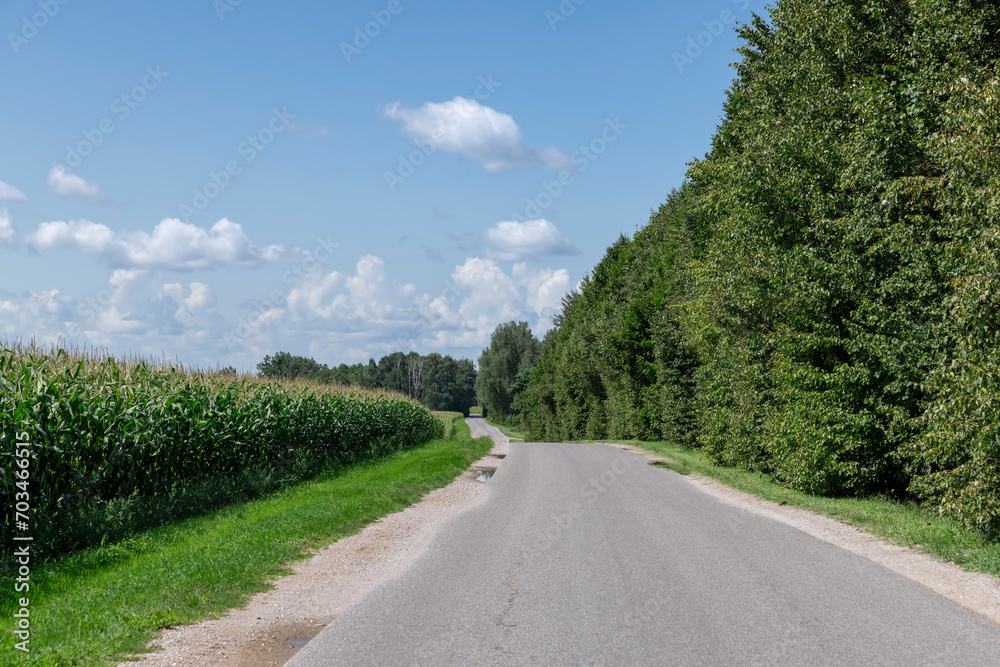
(276, 624)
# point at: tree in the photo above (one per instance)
(819, 302)
(439, 382)
(414, 371)
(448, 384)
(513, 350)
(465, 386)
(286, 366)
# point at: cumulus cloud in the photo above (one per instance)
(543, 290)
(133, 313)
(368, 313)
(173, 244)
(191, 308)
(70, 185)
(466, 127)
(489, 296)
(37, 314)
(512, 241)
(340, 316)
(367, 299)
(7, 232)
(10, 193)
(136, 311)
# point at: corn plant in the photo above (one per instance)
(102, 429)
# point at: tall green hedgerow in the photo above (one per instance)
(819, 301)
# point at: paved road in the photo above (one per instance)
(480, 429)
(586, 555)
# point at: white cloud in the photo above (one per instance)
(491, 297)
(133, 314)
(134, 311)
(193, 308)
(10, 193)
(173, 244)
(339, 316)
(7, 232)
(466, 127)
(367, 313)
(366, 299)
(70, 185)
(544, 291)
(37, 314)
(512, 241)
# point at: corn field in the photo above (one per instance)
(102, 429)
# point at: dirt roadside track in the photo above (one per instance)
(275, 624)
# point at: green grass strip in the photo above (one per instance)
(512, 434)
(93, 607)
(904, 524)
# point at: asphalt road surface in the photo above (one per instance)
(587, 555)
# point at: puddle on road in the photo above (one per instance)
(485, 474)
(275, 645)
(500, 456)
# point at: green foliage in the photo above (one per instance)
(616, 365)
(503, 367)
(819, 301)
(958, 458)
(448, 384)
(113, 443)
(439, 382)
(286, 366)
(820, 307)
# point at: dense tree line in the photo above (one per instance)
(439, 382)
(820, 301)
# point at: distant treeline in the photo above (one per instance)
(820, 301)
(439, 382)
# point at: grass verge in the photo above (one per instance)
(512, 434)
(903, 524)
(96, 606)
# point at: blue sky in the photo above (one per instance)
(214, 181)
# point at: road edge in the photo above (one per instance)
(976, 591)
